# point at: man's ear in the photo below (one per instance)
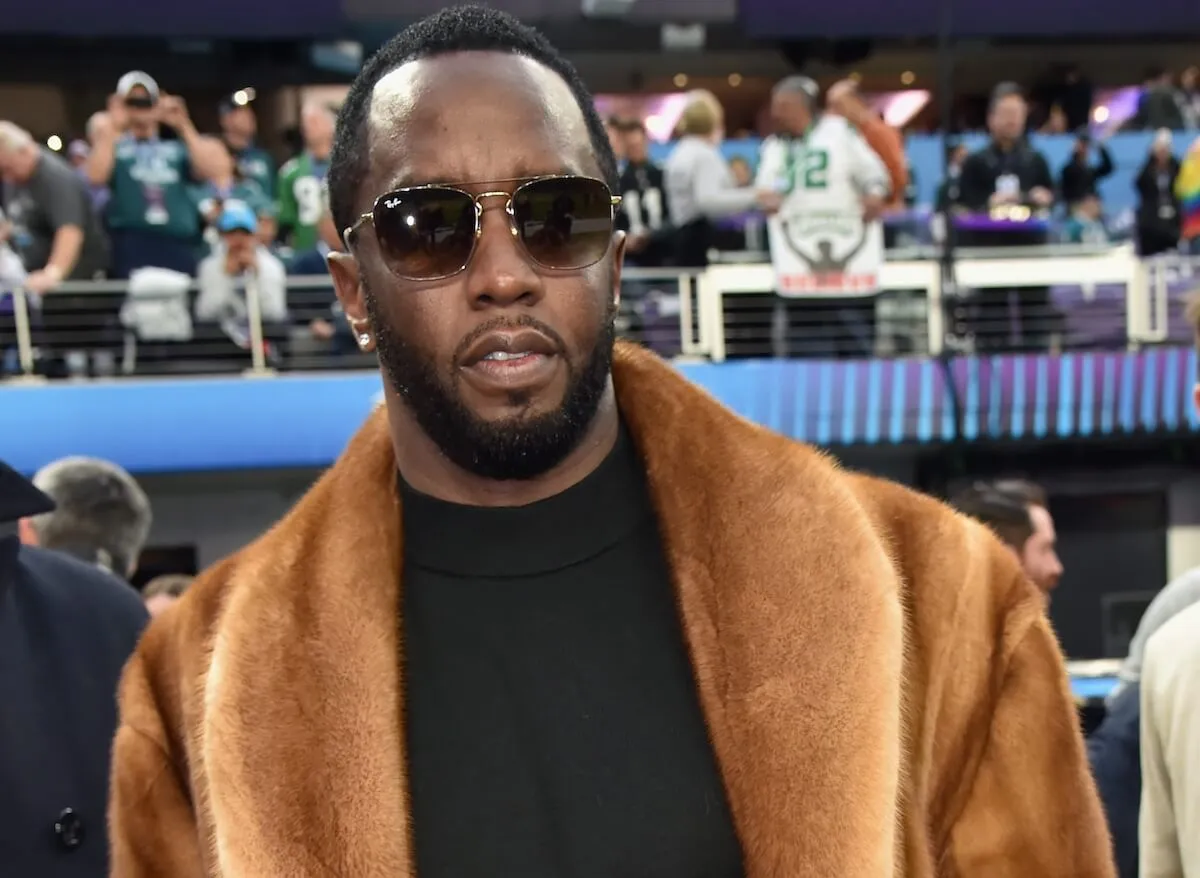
(348, 285)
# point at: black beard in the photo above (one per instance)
(516, 448)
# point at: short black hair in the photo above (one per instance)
(1006, 514)
(1004, 90)
(457, 29)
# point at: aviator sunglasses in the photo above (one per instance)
(429, 232)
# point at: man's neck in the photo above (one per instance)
(144, 132)
(320, 152)
(428, 471)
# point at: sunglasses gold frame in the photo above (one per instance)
(614, 202)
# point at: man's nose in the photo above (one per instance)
(501, 272)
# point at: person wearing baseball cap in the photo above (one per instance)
(239, 128)
(151, 215)
(66, 630)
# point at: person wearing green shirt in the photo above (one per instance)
(239, 127)
(151, 214)
(302, 195)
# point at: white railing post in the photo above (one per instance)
(21, 324)
(258, 353)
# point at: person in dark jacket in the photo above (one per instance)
(1114, 751)
(1079, 176)
(1010, 182)
(66, 630)
(1158, 220)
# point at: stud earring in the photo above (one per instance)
(361, 334)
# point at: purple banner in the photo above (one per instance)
(791, 19)
(229, 19)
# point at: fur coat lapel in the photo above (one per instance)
(788, 601)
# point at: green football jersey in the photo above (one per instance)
(303, 200)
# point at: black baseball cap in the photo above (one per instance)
(18, 497)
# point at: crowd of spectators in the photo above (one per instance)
(147, 198)
(193, 220)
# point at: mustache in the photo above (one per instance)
(523, 321)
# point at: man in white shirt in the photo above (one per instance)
(237, 265)
(828, 176)
(1169, 823)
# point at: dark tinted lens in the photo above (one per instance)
(425, 233)
(564, 223)
(139, 103)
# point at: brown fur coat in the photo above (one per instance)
(883, 691)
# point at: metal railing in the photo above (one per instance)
(1064, 297)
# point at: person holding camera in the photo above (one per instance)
(151, 215)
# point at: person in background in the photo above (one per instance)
(949, 190)
(162, 592)
(55, 231)
(1187, 192)
(1056, 122)
(240, 259)
(151, 214)
(822, 166)
(743, 174)
(700, 187)
(1158, 213)
(101, 516)
(226, 184)
(1169, 818)
(1079, 177)
(614, 128)
(644, 215)
(59, 238)
(1009, 182)
(843, 99)
(556, 611)
(1018, 512)
(66, 630)
(302, 195)
(1160, 105)
(239, 127)
(1085, 223)
(1189, 95)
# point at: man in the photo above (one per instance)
(831, 180)
(151, 213)
(1168, 840)
(224, 275)
(102, 516)
(56, 232)
(1008, 181)
(1018, 513)
(163, 591)
(1079, 176)
(643, 203)
(548, 617)
(57, 235)
(239, 127)
(66, 628)
(302, 194)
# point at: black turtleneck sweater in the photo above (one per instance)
(553, 725)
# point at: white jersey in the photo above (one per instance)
(820, 243)
(830, 169)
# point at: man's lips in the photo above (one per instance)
(503, 347)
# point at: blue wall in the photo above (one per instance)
(298, 420)
(925, 157)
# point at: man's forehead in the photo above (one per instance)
(433, 86)
(431, 119)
